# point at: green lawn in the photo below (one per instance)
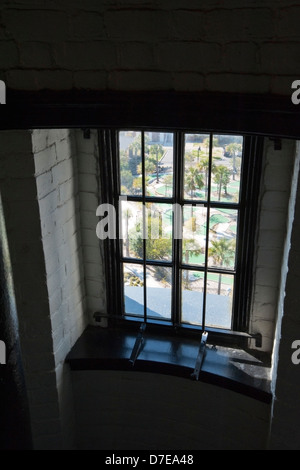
(215, 278)
(233, 228)
(196, 259)
(218, 219)
(164, 190)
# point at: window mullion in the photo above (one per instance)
(177, 242)
(145, 231)
(207, 231)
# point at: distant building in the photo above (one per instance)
(161, 138)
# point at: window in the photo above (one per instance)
(186, 208)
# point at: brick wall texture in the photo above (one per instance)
(230, 46)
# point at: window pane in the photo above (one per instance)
(196, 162)
(194, 235)
(226, 168)
(219, 300)
(132, 229)
(133, 289)
(159, 164)
(148, 229)
(130, 145)
(159, 292)
(192, 297)
(222, 238)
(159, 219)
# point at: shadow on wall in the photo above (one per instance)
(15, 431)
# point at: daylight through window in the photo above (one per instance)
(180, 210)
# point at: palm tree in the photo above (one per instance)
(223, 253)
(193, 181)
(168, 181)
(127, 215)
(204, 166)
(149, 167)
(189, 158)
(157, 151)
(206, 143)
(137, 185)
(234, 149)
(189, 246)
(222, 178)
(136, 146)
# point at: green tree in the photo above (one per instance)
(191, 224)
(157, 247)
(136, 146)
(156, 151)
(204, 167)
(223, 253)
(206, 143)
(124, 161)
(193, 181)
(189, 157)
(126, 215)
(189, 246)
(137, 185)
(221, 178)
(126, 180)
(238, 162)
(168, 182)
(234, 149)
(149, 167)
(133, 154)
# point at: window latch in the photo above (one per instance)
(138, 344)
(200, 357)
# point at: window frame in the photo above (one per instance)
(110, 184)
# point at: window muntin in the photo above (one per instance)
(186, 281)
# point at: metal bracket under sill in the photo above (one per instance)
(138, 344)
(200, 357)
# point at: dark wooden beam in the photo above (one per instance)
(270, 115)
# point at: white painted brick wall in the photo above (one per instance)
(89, 199)
(21, 211)
(58, 192)
(271, 234)
(57, 187)
(67, 169)
(284, 429)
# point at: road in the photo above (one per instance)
(167, 159)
